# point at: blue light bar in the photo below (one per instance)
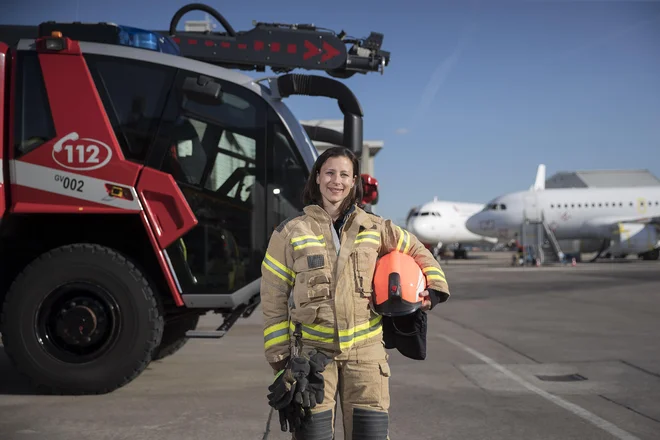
(143, 39)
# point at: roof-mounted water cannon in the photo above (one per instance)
(282, 47)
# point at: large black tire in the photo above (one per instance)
(81, 319)
(174, 336)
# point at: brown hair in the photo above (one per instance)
(312, 194)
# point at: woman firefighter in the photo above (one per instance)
(317, 288)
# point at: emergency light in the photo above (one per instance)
(111, 33)
(143, 39)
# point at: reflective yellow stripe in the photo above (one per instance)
(309, 244)
(372, 233)
(280, 270)
(307, 241)
(404, 241)
(347, 338)
(360, 333)
(433, 273)
(315, 332)
(276, 334)
(368, 240)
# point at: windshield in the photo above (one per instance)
(298, 133)
(494, 207)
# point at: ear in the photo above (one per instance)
(318, 177)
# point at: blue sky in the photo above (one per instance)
(477, 94)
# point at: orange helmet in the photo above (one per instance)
(398, 281)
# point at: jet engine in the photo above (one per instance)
(634, 238)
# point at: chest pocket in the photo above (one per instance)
(364, 256)
(312, 278)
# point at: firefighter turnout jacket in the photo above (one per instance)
(323, 280)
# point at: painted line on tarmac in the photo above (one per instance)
(575, 409)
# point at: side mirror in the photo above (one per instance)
(369, 189)
(202, 90)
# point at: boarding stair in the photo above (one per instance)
(540, 243)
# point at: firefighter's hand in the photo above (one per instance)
(426, 300)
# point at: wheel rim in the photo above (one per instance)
(78, 322)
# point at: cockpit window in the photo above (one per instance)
(495, 207)
(426, 213)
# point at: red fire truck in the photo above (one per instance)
(142, 175)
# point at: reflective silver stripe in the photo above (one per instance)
(404, 240)
(307, 240)
(80, 186)
(279, 269)
(275, 334)
(318, 333)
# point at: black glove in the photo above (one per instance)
(317, 363)
(290, 384)
(289, 394)
(293, 417)
(437, 297)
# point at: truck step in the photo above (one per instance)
(205, 334)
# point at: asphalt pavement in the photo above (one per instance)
(564, 352)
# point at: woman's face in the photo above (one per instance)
(335, 179)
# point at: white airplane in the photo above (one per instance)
(619, 220)
(439, 223)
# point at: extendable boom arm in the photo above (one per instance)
(283, 47)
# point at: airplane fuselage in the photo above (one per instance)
(444, 222)
(572, 213)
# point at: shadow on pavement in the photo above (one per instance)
(11, 382)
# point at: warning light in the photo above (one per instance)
(119, 192)
(54, 42)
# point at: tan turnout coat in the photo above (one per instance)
(306, 278)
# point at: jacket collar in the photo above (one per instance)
(354, 212)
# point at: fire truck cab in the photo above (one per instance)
(142, 176)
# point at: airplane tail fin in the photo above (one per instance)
(539, 183)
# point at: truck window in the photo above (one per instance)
(216, 153)
(133, 94)
(33, 121)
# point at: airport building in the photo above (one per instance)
(337, 125)
(601, 179)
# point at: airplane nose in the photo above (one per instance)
(475, 224)
(471, 224)
(420, 228)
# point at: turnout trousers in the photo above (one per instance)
(358, 381)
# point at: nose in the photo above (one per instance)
(477, 224)
(420, 227)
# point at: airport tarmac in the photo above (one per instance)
(516, 353)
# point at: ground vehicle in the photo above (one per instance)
(141, 181)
